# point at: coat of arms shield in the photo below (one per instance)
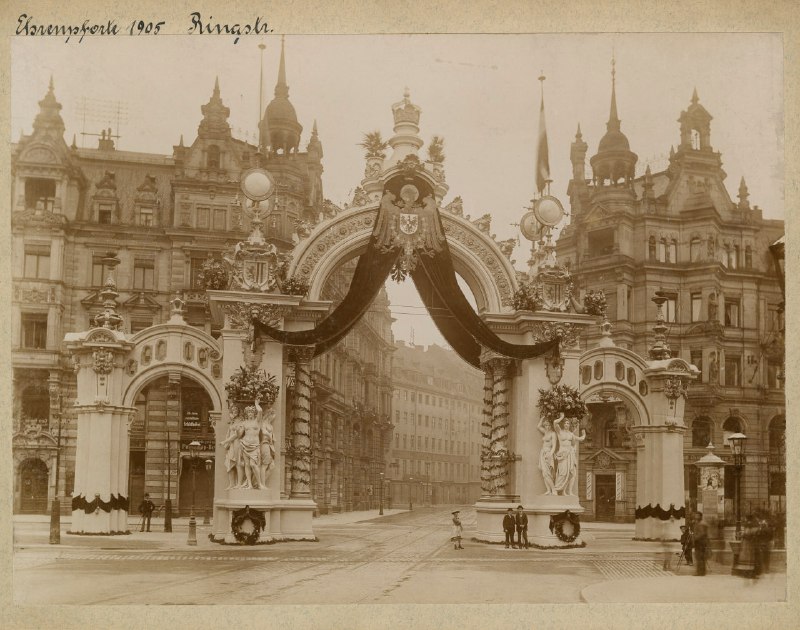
(409, 223)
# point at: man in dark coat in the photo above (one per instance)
(509, 524)
(687, 544)
(146, 508)
(522, 527)
(700, 532)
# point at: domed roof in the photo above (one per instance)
(280, 108)
(614, 140)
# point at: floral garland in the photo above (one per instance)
(295, 286)
(238, 519)
(301, 415)
(247, 384)
(558, 521)
(213, 274)
(561, 399)
(594, 303)
(528, 297)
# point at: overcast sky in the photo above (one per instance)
(478, 91)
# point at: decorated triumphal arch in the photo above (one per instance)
(274, 321)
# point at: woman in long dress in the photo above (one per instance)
(546, 462)
(457, 530)
(566, 459)
(233, 454)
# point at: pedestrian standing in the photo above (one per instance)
(687, 544)
(521, 522)
(700, 543)
(146, 508)
(457, 530)
(509, 525)
(766, 534)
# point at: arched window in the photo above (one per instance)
(734, 257)
(662, 250)
(748, 257)
(725, 256)
(731, 425)
(701, 432)
(651, 252)
(213, 156)
(695, 249)
(673, 251)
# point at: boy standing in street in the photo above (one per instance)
(146, 508)
(522, 527)
(509, 524)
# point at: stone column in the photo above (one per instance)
(301, 422)
(498, 443)
(486, 431)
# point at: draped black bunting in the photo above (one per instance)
(649, 511)
(435, 279)
(116, 502)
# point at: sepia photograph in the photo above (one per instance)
(396, 319)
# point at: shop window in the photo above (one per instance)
(37, 261)
(40, 194)
(34, 331)
(144, 275)
(35, 402)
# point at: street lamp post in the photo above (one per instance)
(380, 495)
(410, 490)
(395, 468)
(206, 520)
(194, 446)
(736, 442)
(55, 510)
(168, 500)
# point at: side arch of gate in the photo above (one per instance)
(476, 257)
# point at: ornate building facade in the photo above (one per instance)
(163, 216)
(678, 232)
(434, 456)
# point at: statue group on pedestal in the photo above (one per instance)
(249, 447)
(558, 458)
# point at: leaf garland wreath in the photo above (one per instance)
(561, 399)
(295, 286)
(250, 383)
(527, 297)
(213, 274)
(594, 303)
(257, 520)
(558, 521)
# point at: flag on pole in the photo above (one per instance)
(542, 155)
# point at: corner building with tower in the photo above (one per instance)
(156, 219)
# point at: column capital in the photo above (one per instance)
(298, 354)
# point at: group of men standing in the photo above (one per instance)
(516, 522)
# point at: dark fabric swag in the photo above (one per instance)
(114, 503)
(658, 512)
(436, 282)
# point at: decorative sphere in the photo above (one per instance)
(257, 184)
(549, 211)
(409, 193)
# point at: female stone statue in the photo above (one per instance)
(250, 444)
(546, 462)
(566, 458)
(267, 442)
(233, 451)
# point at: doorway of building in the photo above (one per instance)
(605, 499)
(33, 487)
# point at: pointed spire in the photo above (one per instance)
(48, 116)
(180, 144)
(216, 87)
(281, 88)
(695, 98)
(215, 114)
(613, 118)
(743, 195)
(74, 144)
(314, 129)
(672, 151)
(52, 87)
(578, 134)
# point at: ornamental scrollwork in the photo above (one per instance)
(566, 332)
(346, 229)
(241, 316)
(103, 361)
(675, 388)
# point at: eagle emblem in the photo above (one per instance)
(409, 223)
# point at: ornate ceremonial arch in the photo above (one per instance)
(524, 337)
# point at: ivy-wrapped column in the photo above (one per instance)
(498, 443)
(486, 431)
(301, 422)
